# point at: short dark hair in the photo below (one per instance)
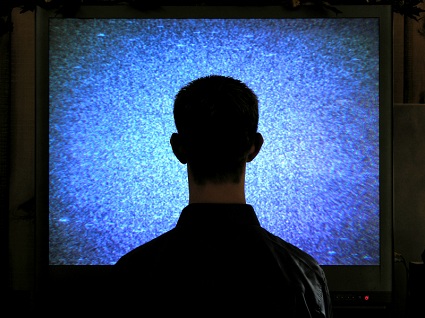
(217, 119)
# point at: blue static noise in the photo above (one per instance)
(114, 181)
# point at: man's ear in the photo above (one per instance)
(255, 148)
(178, 148)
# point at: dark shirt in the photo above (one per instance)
(219, 260)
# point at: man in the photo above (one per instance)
(218, 259)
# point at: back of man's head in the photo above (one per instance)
(217, 119)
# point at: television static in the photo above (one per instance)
(114, 182)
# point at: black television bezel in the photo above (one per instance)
(349, 285)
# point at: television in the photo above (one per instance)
(107, 180)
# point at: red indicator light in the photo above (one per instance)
(366, 297)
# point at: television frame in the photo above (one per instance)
(352, 286)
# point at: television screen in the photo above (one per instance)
(323, 178)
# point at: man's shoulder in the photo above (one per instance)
(291, 253)
(147, 251)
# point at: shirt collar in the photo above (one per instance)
(215, 214)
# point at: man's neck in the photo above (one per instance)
(210, 192)
(217, 193)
